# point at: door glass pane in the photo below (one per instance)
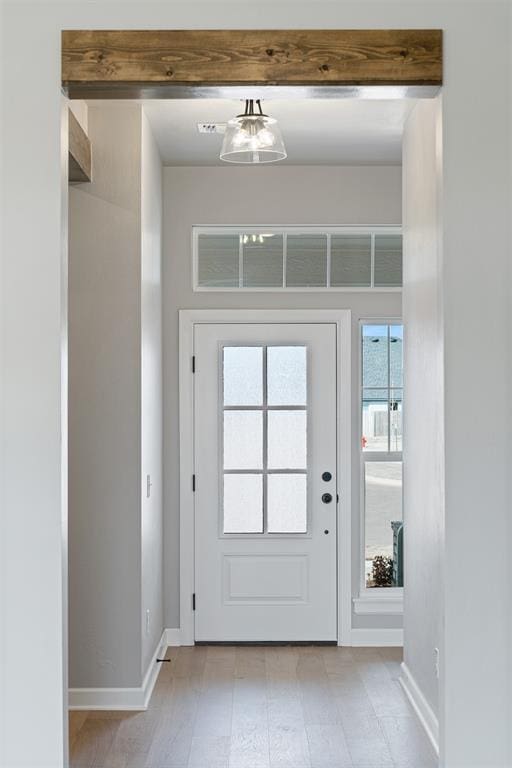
(287, 375)
(306, 261)
(243, 440)
(388, 261)
(262, 261)
(243, 375)
(287, 503)
(218, 260)
(351, 260)
(383, 522)
(287, 440)
(243, 503)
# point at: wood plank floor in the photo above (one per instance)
(262, 707)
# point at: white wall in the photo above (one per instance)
(476, 234)
(151, 392)
(104, 407)
(424, 401)
(271, 195)
(33, 408)
(115, 384)
(475, 697)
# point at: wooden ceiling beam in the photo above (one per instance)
(161, 63)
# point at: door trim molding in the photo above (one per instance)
(188, 318)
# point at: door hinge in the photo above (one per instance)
(337, 498)
(194, 601)
(193, 483)
(193, 363)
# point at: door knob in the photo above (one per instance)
(327, 498)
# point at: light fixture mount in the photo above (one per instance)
(252, 137)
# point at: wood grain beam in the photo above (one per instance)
(109, 62)
(80, 153)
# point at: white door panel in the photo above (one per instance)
(264, 434)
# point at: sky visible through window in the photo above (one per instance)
(382, 330)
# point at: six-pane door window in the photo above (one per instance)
(264, 434)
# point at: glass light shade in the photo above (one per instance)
(252, 139)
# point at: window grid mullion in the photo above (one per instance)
(328, 261)
(240, 262)
(285, 256)
(250, 471)
(266, 407)
(372, 260)
(265, 441)
(389, 385)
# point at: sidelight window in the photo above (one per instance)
(381, 453)
(264, 435)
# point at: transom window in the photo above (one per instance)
(264, 436)
(297, 258)
(381, 453)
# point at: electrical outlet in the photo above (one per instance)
(147, 622)
(436, 662)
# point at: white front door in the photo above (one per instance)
(265, 480)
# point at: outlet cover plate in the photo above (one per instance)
(211, 127)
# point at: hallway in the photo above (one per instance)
(262, 707)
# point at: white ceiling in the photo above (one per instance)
(315, 131)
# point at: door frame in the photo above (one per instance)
(188, 318)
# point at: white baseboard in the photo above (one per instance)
(121, 698)
(421, 706)
(377, 637)
(173, 637)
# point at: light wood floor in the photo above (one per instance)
(262, 707)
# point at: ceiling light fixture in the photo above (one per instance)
(252, 137)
